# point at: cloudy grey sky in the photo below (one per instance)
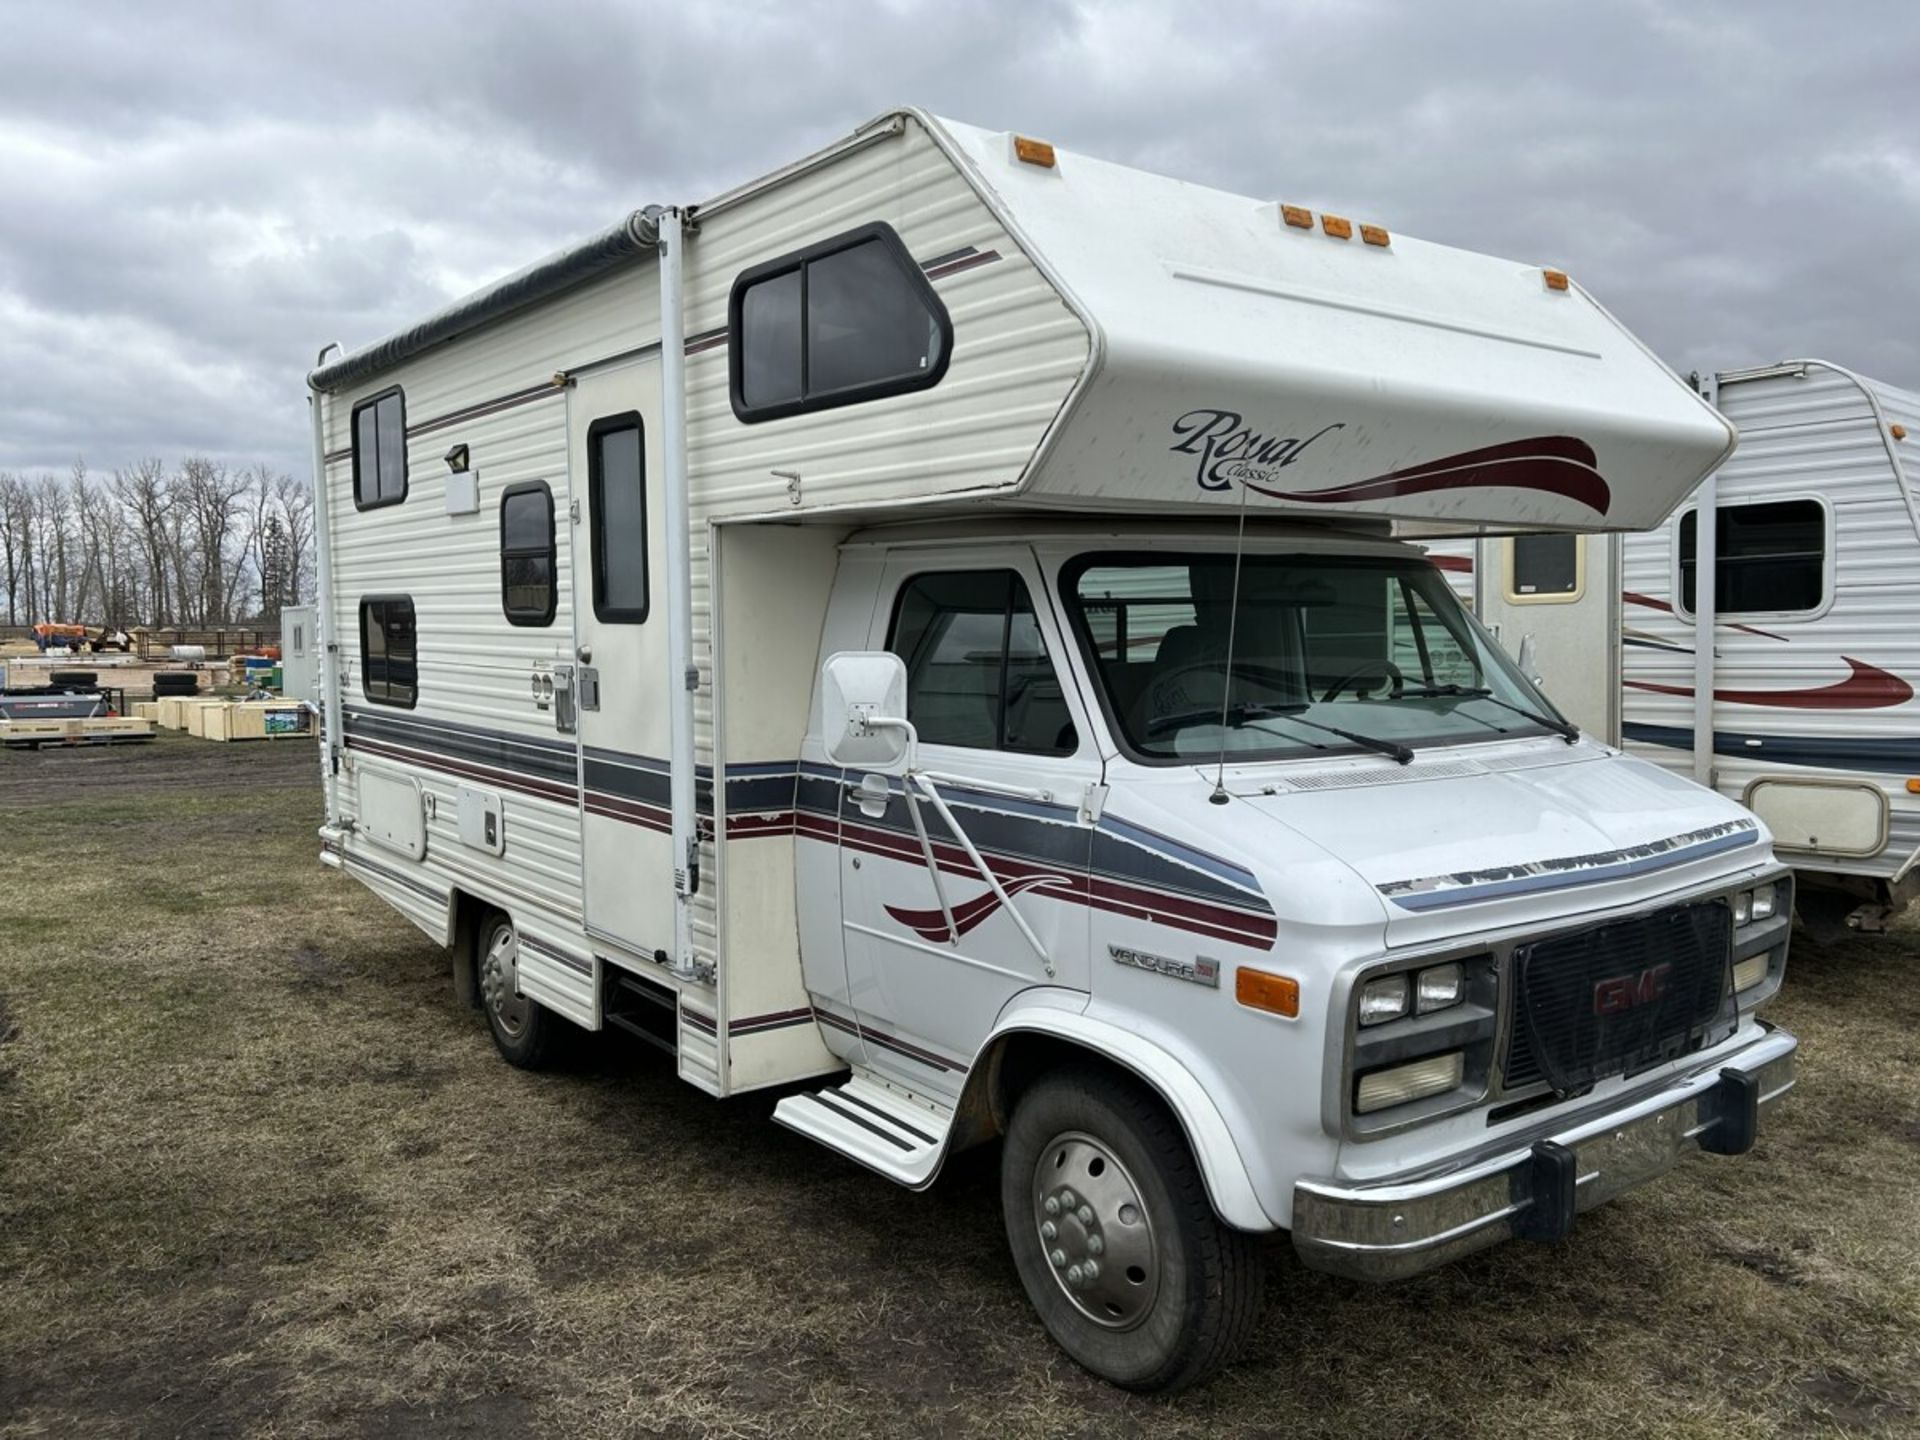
(194, 196)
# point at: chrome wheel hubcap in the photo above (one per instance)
(1095, 1231)
(500, 983)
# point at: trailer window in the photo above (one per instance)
(527, 553)
(978, 672)
(1545, 569)
(1769, 558)
(389, 656)
(380, 450)
(849, 319)
(617, 495)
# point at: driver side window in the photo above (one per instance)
(978, 672)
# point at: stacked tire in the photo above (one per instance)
(175, 682)
(74, 679)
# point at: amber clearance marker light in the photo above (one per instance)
(1297, 216)
(1262, 990)
(1375, 235)
(1899, 432)
(1338, 226)
(1913, 787)
(1556, 279)
(1034, 152)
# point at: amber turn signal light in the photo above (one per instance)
(1262, 990)
(1034, 152)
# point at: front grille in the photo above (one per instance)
(1618, 998)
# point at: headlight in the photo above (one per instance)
(1765, 899)
(1383, 999)
(1760, 903)
(1743, 907)
(1435, 1075)
(1439, 986)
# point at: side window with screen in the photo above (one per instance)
(849, 319)
(1768, 558)
(978, 672)
(527, 588)
(389, 650)
(617, 496)
(380, 450)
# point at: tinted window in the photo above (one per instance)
(1770, 557)
(849, 319)
(617, 492)
(527, 591)
(389, 658)
(978, 672)
(1545, 565)
(380, 451)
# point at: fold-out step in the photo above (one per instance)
(874, 1125)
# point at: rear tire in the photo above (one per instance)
(529, 1036)
(1139, 1281)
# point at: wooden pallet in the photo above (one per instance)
(94, 730)
(257, 720)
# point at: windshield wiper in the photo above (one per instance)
(1402, 753)
(1565, 729)
(1237, 716)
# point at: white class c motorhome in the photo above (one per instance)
(936, 622)
(1803, 708)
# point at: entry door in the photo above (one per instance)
(993, 704)
(1564, 591)
(620, 637)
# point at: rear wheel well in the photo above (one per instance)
(469, 913)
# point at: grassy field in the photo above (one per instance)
(260, 1176)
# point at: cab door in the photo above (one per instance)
(620, 636)
(1005, 735)
(1564, 592)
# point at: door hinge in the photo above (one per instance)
(573, 511)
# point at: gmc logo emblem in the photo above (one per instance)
(1620, 993)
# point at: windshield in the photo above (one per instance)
(1377, 647)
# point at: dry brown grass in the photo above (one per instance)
(259, 1176)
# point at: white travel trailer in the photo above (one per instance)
(1803, 708)
(930, 622)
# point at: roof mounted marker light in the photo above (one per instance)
(1556, 279)
(1338, 226)
(1375, 235)
(1297, 216)
(1033, 152)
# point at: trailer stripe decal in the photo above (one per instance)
(1888, 755)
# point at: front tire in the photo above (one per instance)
(1115, 1239)
(528, 1035)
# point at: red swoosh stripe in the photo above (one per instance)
(1634, 597)
(932, 925)
(1555, 464)
(1867, 688)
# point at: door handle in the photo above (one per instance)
(871, 795)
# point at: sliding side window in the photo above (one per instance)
(849, 319)
(617, 496)
(527, 553)
(389, 650)
(1769, 558)
(380, 450)
(978, 672)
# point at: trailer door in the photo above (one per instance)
(1564, 591)
(620, 639)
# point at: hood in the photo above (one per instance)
(1459, 843)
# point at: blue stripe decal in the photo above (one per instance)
(1891, 755)
(1621, 870)
(1185, 854)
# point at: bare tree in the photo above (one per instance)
(146, 497)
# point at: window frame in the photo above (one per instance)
(799, 259)
(1828, 578)
(1515, 596)
(597, 526)
(530, 619)
(353, 440)
(366, 602)
(1062, 674)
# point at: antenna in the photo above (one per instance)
(1219, 796)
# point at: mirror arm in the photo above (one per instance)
(933, 865)
(993, 881)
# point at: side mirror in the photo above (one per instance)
(863, 710)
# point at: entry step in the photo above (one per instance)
(874, 1125)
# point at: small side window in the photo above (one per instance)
(389, 650)
(380, 450)
(527, 553)
(849, 319)
(978, 672)
(1769, 558)
(617, 497)
(1545, 569)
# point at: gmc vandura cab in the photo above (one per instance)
(943, 630)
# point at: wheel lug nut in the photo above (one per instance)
(1048, 1230)
(1059, 1258)
(1052, 1206)
(1086, 1214)
(1075, 1275)
(1066, 1199)
(1095, 1245)
(1090, 1271)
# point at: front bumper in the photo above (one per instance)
(1390, 1230)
